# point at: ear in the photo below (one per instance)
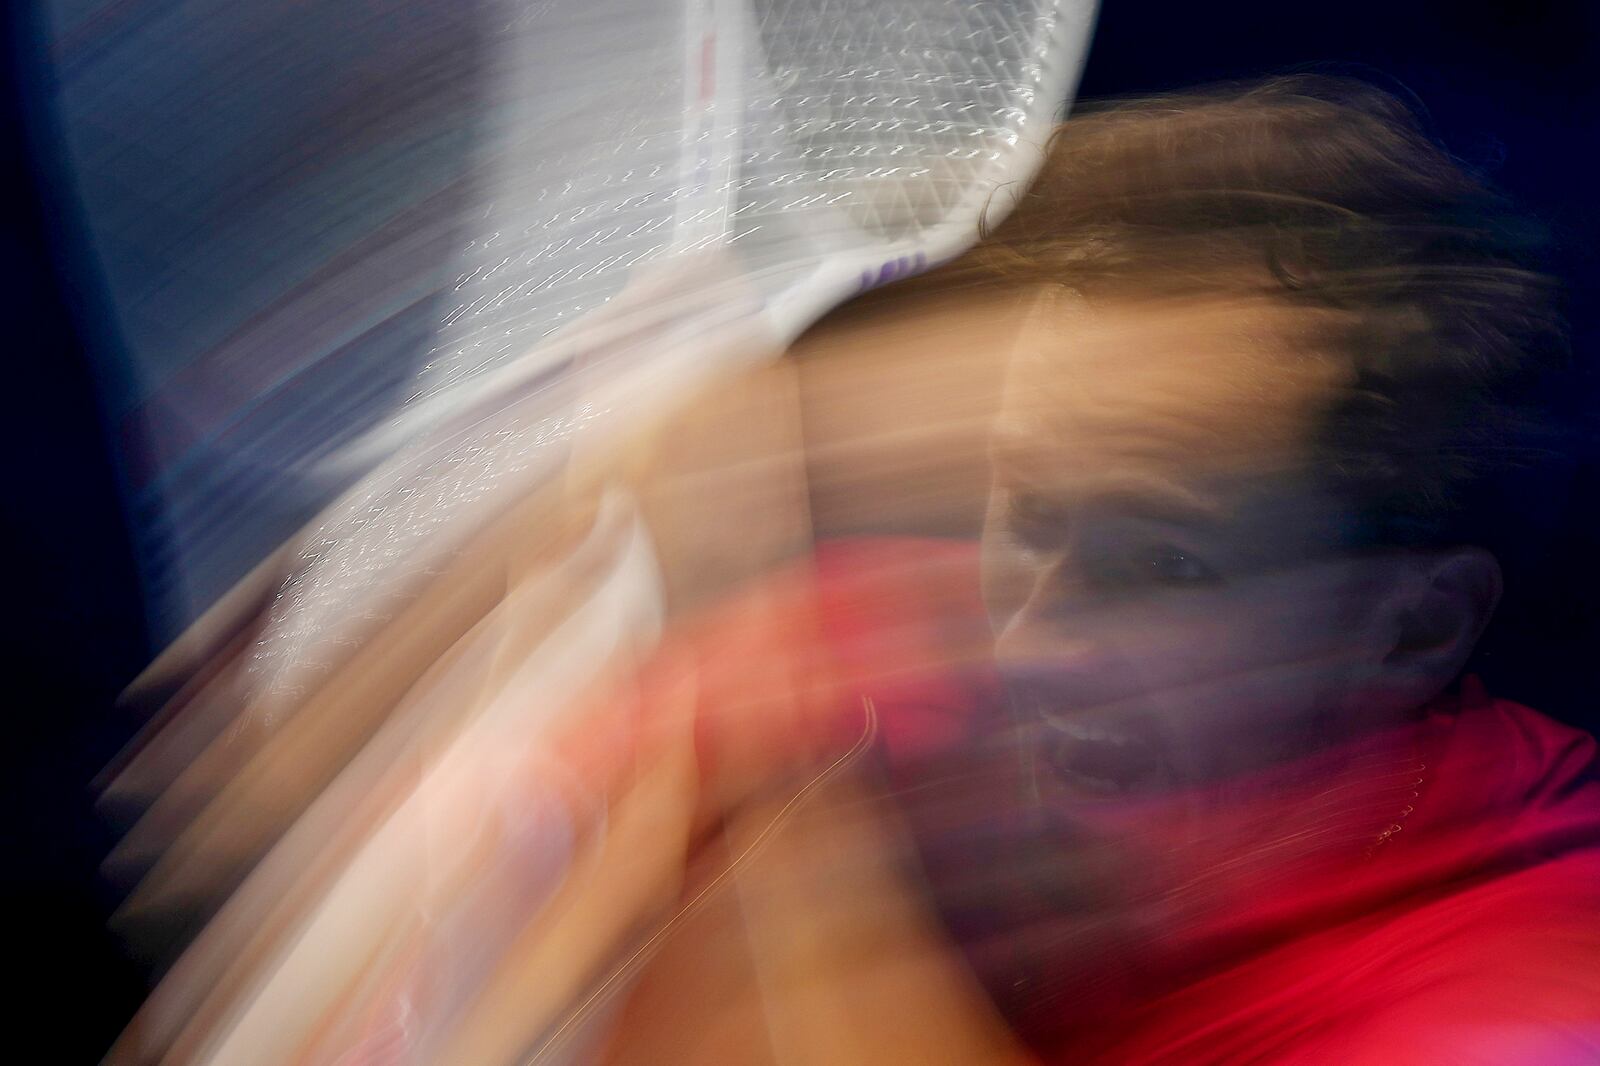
(1440, 609)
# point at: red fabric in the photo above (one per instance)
(1454, 922)
(1470, 935)
(1448, 917)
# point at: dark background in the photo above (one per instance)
(1510, 87)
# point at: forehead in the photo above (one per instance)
(1213, 390)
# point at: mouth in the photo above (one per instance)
(1103, 756)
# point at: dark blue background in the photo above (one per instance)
(1511, 87)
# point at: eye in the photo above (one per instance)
(1168, 565)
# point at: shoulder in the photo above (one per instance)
(1525, 786)
(1502, 962)
(1508, 973)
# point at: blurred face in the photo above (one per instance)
(1170, 596)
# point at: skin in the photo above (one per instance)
(1173, 606)
(1178, 611)
(1170, 583)
(1162, 571)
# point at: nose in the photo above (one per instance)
(1027, 644)
(1051, 625)
(1052, 630)
(1064, 659)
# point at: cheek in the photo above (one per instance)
(1282, 636)
(1271, 654)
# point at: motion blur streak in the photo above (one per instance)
(1061, 651)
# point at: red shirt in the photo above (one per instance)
(1431, 894)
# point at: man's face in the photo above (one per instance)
(1165, 577)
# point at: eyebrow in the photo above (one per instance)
(1152, 498)
(1014, 454)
